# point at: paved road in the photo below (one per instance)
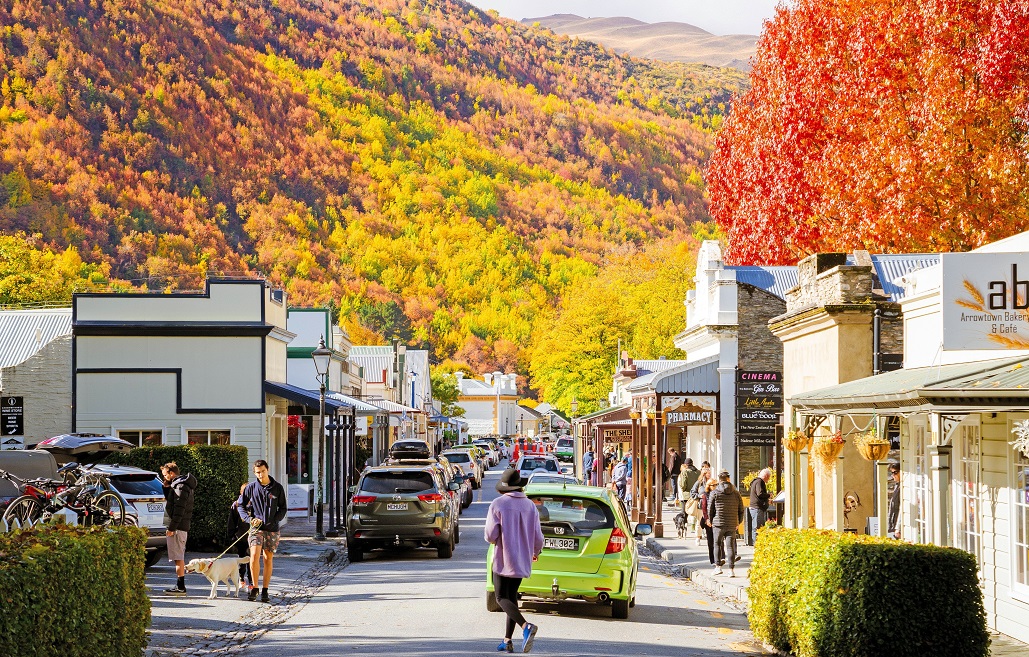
(411, 603)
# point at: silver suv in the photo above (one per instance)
(401, 506)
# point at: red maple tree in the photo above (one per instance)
(892, 126)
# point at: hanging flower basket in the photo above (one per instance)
(825, 451)
(872, 447)
(796, 441)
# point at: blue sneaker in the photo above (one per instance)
(528, 636)
(505, 646)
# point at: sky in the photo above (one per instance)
(719, 17)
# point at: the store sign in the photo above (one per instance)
(759, 403)
(361, 426)
(617, 435)
(689, 415)
(985, 300)
(12, 417)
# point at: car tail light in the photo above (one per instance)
(431, 497)
(436, 532)
(617, 542)
(362, 499)
(357, 534)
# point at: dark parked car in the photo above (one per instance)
(401, 506)
(409, 449)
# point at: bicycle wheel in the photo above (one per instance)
(107, 509)
(26, 510)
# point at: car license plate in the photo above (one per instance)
(401, 506)
(155, 507)
(561, 543)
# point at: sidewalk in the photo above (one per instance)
(694, 563)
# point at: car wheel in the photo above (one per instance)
(491, 601)
(457, 533)
(445, 550)
(153, 557)
(619, 609)
(355, 552)
(632, 603)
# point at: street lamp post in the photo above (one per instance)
(414, 418)
(321, 357)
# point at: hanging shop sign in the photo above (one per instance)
(985, 300)
(688, 415)
(12, 416)
(617, 435)
(759, 404)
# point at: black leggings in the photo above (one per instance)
(506, 589)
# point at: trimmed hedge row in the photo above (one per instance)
(219, 469)
(73, 592)
(819, 593)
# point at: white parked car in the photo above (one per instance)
(531, 463)
(492, 455)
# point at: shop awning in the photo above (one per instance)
(601, 413)
(697, 378)
(362, 407)
(302, 396)
(393, 407)
(991, 385)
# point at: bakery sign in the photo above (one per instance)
(985, 300)
(689, 415)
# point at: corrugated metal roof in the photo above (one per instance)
(392, 407)
(658, 365)
(603, 411)
(374, 350)
(362, 407)
(776, 280)
(698, 377)
(1004, 378)
(24, 332)
(373, 365)
(889, 267)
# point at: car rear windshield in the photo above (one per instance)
(532, 464)
(564, 442)
(582, 513)
(397, 482)
(457, 457)
(138, 485)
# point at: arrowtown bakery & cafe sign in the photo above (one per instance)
(985, 300)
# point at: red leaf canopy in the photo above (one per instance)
(893, 126)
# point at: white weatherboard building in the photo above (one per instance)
(207, 367)
(490, 404)
(958, 404)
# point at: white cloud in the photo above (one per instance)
(724, 17)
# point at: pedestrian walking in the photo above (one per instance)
(234, 530)
(706, 488)
(513, 527)
(587, 466)
(178, 491)
(262, 505)
(758, 508)
(672, 467)
(725, 508)
(688, 476)
(620, 477)
(697, 493)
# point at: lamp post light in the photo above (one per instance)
(321, 357)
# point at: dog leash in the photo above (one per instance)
(253, 530)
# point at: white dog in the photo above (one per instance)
(216, 571)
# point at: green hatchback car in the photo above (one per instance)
(589, 549)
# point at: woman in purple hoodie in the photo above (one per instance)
(513, 526)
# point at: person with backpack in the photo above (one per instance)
(726, 511)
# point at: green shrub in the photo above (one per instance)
(219, 469)
(73, 592)
(819, 593)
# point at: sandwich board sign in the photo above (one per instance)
(12, 422)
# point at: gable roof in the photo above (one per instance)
(772, 279)
(24, 332)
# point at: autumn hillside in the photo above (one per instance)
(438, 173)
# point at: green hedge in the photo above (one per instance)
(73, 592)
(819, 593)
(220, 471)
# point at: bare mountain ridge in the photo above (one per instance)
(666, 41)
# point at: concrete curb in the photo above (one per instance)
(720, 585)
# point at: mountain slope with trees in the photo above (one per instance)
(437, 173)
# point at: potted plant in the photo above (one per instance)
(796, 440)
(871, 446)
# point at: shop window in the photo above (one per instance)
(142, 438)
(968, 503)
(1020, 556)
(920, 486)
(299, 432)
(209, 437)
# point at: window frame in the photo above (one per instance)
(962, 462)
(118, 434)
(188, 431)
(1019, 500)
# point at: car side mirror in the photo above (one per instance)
(643, 529)
(454, 486)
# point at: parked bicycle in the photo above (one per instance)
(89, 495)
